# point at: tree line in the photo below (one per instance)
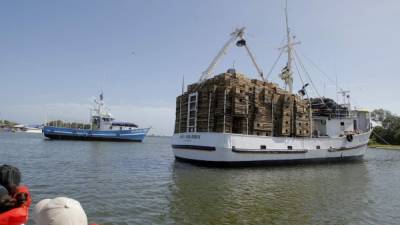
(389, 132)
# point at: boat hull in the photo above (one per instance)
(34, 131)
(237, 149)
(133, 135)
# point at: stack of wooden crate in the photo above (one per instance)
(232, 103)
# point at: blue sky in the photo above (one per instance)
(55, 56)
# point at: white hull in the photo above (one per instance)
(238, 148)
(34, 131)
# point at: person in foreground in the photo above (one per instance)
(15, 199)
(59, 211)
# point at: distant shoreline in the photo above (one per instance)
(392, 147)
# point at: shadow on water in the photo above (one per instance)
(302, 194)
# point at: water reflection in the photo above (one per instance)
(140, 183)
(317, 194)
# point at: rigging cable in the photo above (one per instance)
(308, 98)
(376, 134)
(273, 66)
(327, 76)
(320, 70)
(308, 75)
(301, 78)
(298, 72)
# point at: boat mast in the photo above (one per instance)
(286, 74)
(100, 104)
(289, 51)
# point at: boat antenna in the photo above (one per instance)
(286, 74)
(183, 84)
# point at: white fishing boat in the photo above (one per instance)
(230, 119)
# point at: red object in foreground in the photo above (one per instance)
(18, 215)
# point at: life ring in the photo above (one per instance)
(349, 137)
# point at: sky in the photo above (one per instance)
(56, 56)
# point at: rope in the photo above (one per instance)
(326, 75)
(376, 134)
(308, 75)
(273, 66)
(321, 71)
(308, 98)
(298, 72)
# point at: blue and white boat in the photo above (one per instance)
(103, 128)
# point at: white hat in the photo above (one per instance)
(59, 211)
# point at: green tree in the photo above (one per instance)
(380, 114)
(390, 130)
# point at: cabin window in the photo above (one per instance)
(263, 147)
(318, 147)
(289, 147)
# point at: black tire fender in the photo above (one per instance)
(349, 137)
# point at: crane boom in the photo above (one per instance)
(254, 62)
(237, 34)
(234, 35)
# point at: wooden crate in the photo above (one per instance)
(248, 106)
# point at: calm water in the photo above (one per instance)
(140, 183)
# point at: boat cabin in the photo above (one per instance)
(101, 122)
(357, 122)
(106, 122)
